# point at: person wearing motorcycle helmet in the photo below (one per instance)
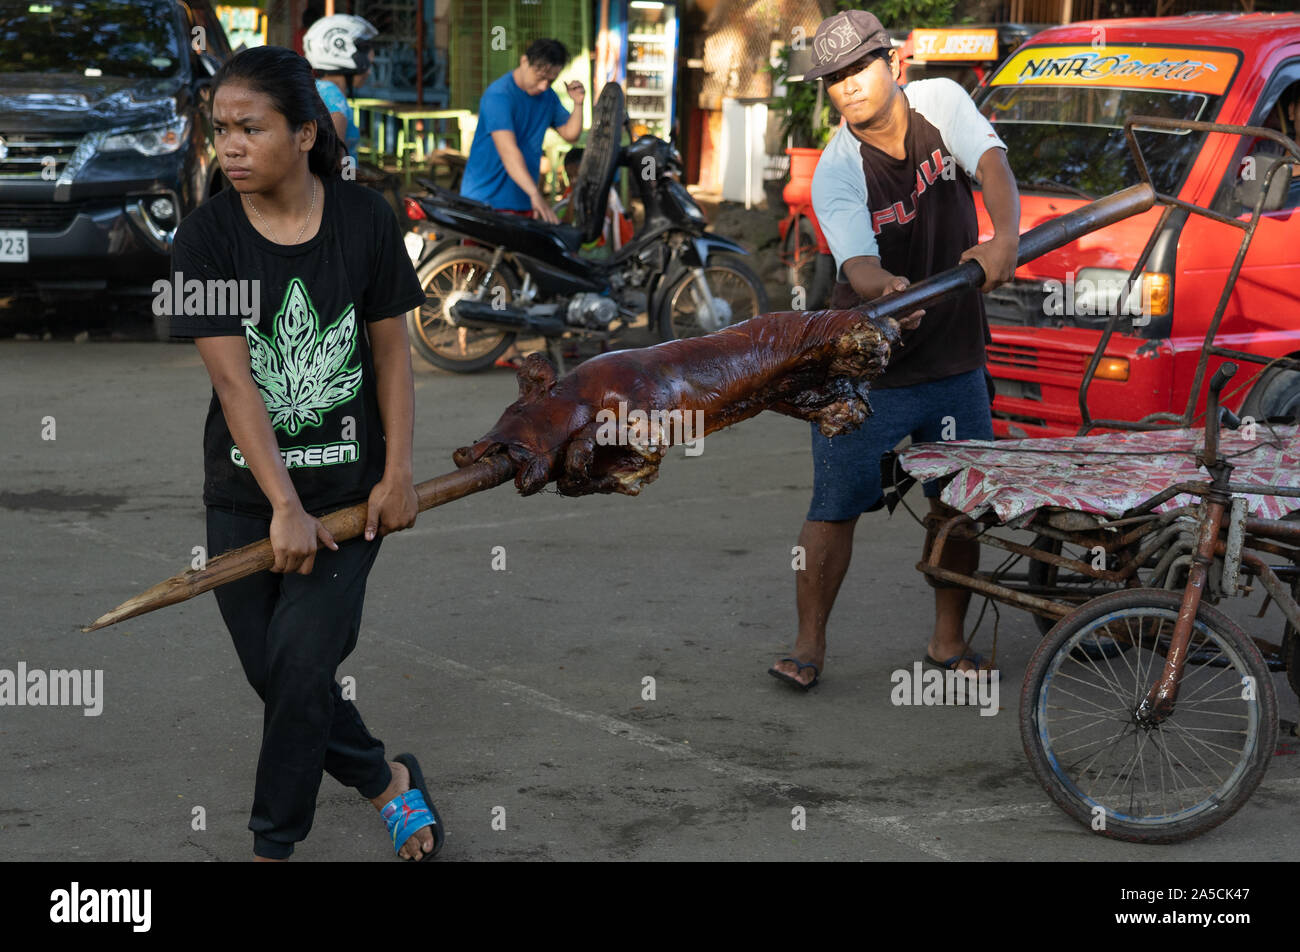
(338, 48)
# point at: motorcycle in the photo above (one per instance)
(508, 275)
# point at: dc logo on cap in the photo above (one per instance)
(837, 40)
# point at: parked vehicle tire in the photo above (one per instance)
(1276, 395)
(1157, 782)
(806, 266)
(737, 295)
(447, 277)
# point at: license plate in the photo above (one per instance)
(13, 245)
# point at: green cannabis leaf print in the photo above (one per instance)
(301, 374)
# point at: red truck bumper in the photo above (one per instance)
(1038, 378)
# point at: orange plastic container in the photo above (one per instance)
(803, 162)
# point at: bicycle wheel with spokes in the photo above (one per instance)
(1122, 775)
(447, 277)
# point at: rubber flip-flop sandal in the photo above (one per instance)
(799, 666)
(974, 658)
(412, 811)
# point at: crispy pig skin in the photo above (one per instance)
(813, 365)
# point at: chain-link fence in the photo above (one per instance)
(738, 45)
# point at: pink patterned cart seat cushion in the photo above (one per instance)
(1106, 474)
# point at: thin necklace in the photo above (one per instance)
(304, 224)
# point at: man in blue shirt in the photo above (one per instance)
(513, 116)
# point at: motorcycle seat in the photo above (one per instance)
(569, 235)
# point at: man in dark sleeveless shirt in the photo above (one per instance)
(893, 195)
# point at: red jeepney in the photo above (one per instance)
(1059, 102)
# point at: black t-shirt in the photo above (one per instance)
(309, 348)
(951, 337)
(921, 212)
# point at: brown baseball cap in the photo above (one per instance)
(844, 39)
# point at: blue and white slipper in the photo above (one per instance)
(412, 811)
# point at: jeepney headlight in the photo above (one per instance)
(1099, 290)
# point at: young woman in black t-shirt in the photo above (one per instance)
(312, 409)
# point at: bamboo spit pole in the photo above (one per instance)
(342, 524)
(495, 470)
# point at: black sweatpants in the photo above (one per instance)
(291, 633)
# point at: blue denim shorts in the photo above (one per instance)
(846, 468)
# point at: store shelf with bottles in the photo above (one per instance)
(639, 103)
(656, 85)
(647, 54)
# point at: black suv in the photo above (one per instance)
(104, 141)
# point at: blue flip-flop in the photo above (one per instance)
(799, 666)
(973, 657)
(412, 811)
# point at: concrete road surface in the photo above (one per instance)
(522, 690)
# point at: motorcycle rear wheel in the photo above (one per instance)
(736, 290)
(447, 276)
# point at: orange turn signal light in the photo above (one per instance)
(1112, 368)
(1156, 291)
